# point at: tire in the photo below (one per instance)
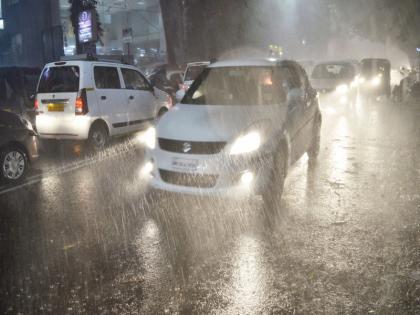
(98, 137)
(14, 164)
(275, 186)
(315, 146)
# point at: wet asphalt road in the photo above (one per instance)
(81, 237)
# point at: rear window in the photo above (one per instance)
(333, 71)
(59, 80)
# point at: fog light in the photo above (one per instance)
(247, 178)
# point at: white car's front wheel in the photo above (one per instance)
(274, 190)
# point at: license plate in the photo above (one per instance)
(185, 164)
(55, 107)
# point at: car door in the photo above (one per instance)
(295, 110)
(111, 98)
(140, 99)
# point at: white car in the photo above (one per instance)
(193, 70)
(337, 81)
(236, 132)
(94, 100)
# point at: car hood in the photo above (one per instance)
(217, 123)
(328, 84)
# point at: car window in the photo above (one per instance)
(235, 86)
(333, 71)
(59, 80)
(107, 78)
(134, 80)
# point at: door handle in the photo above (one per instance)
(103, 97)
(131, 97)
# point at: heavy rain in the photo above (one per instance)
(209, 157)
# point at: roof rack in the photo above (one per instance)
(125, 59)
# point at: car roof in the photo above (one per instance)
(87, 62)
(198, 63)
(269, 62)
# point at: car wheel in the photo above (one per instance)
(315, 146)
(14, 164)
(275, 185)
(98, 138)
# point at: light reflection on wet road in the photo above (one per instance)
(347, 239)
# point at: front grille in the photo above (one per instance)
(191, 147)
(188, 180)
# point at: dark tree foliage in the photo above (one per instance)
(77, 6)
(380, 20)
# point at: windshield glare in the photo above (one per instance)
(235, 86)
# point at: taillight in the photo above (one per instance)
(81, 106)
(36, 104)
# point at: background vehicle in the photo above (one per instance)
(238, 129)
(337, 80)
(95, 100)
(192, 71)
(17, 86)
(166, 77)
(18, 146)
(375, 78)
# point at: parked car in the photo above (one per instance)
(94, 100)
(337, 80)
(192, 71)
(237, 131)
(375, 77)
(17, 88)
(18, 146)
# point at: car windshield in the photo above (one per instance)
(59, 79)
(237, 86)
(193, 72)
(333, 71)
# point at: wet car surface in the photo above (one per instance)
(82, 236)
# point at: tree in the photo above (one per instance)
(77, 6)
(380, 20)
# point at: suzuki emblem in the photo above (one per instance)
(186, 147)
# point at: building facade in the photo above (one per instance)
(34, 32)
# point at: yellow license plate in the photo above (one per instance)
(55, 107)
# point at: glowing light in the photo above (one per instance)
(147, 169)
(376, 81)
(247, 143)
(342, 89)
(247, 178)
(148, 138)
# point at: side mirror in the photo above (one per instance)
(179, 95)
(295, 95)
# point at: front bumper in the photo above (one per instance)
(216, 175)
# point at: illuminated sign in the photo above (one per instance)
(87, 27)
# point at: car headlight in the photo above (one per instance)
(149, 138)
(342, 89)
(246, 143)
(376, 81)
